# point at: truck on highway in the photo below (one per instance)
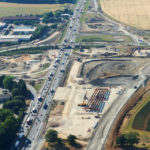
(40, 99)
(29, 121)
(45, 106)
(70, 26)
(34, 110)
(62, 70)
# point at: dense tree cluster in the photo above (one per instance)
(71, 139)
(56, 17)
(39, 32)
(40, 1)
(11, 114)
(8, 127)
(128, 139)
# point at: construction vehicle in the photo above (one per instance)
(83, 104)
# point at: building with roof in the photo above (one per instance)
(23, 30)
(2, 25)
(18, 18)
(14, 38)
(4, 98)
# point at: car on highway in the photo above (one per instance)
(40, 99)
(49, 78)
(52, 91)
(29, 121)
(45, 106)
(66, 54)
(62, 49)
(55, 65)
(62, 70)
(51, 75)
(57, 60)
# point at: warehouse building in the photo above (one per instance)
(2, 25)
(14, 38)
(4, 98)
(24, 30)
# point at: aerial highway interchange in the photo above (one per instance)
(34, 121)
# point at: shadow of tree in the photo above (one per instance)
(76, 145)
(133, 148)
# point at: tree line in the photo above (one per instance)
(12, 112)
(57, 143)
(128, 139)
(56, 17)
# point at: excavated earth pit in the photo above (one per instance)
(110, 72)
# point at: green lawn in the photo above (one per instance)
(83, 16)
(95, 38)
(38, 85)
(45, 66)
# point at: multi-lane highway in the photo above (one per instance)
(40, 107)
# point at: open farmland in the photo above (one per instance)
(12, 9)
(134, 13)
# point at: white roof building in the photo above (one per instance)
(14, 38)
(2, 24)
(24, 29)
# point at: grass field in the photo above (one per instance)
(95, 38)
(83, 16)
(141, 116)
(12, 9)
(132, 12)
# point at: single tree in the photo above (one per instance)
(121, 140)
(51, 136)
(8, 82)
(1, 80)
(22, 87)
(132, 138)
(71, 139)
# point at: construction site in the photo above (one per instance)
(31, 65)
(91, 88)
(80, 105)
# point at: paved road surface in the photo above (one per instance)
(35, 123)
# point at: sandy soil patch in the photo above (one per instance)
(74, 119)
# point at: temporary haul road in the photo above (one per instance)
(32, 132)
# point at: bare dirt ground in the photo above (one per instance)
(113, 72)
(51, 39)
(28, 64)
(68, 118)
